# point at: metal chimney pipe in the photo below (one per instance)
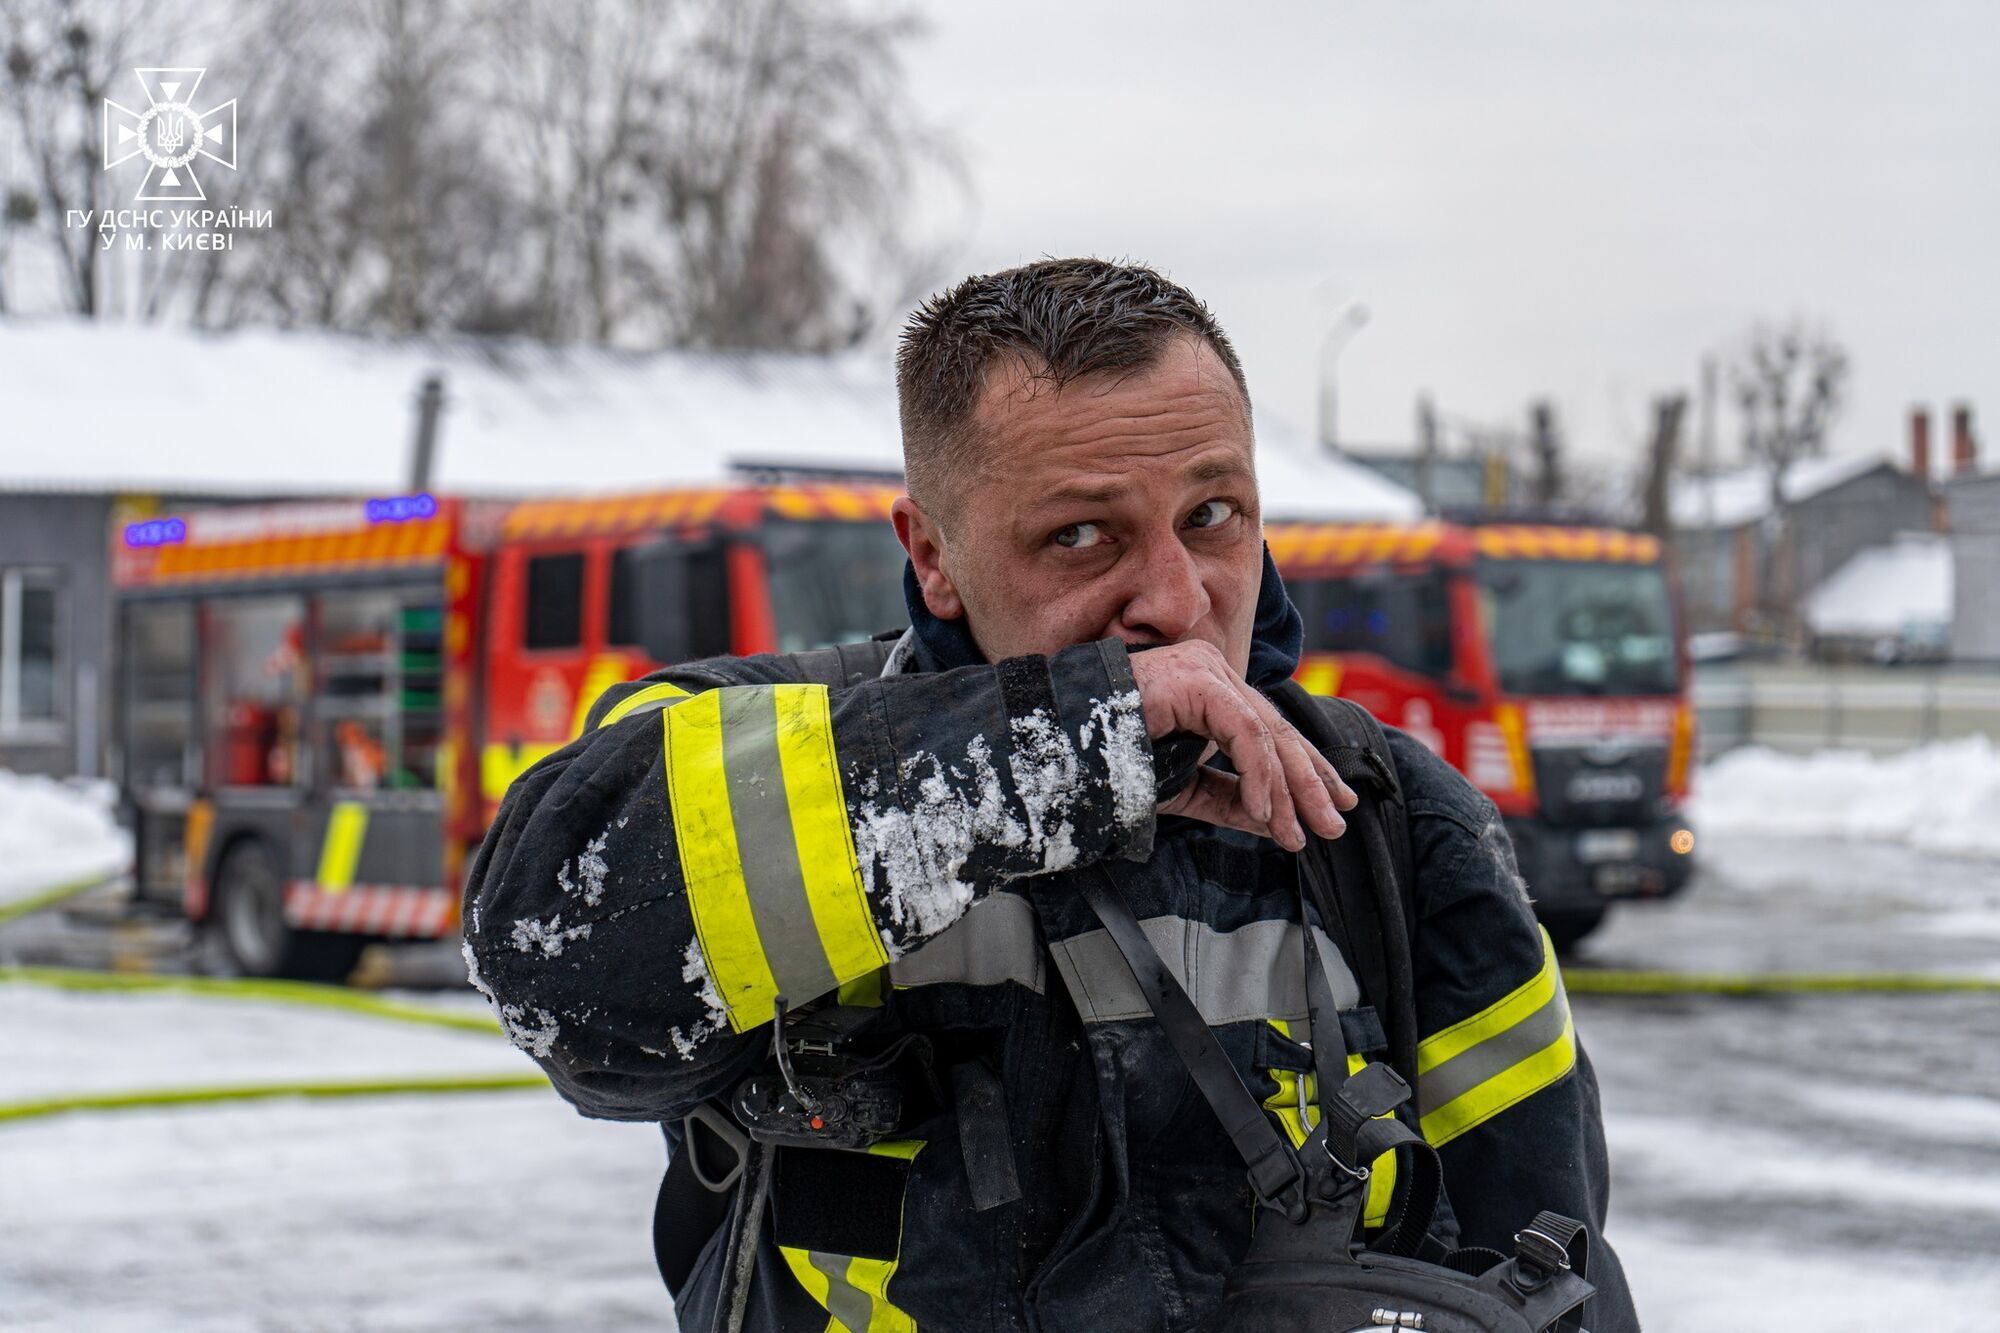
(1964, 452)
(423, 449)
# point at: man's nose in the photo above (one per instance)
(1168, 598)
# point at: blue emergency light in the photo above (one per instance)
(156, 532)
(398, 508)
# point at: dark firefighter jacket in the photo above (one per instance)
(721, 834)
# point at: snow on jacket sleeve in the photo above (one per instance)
(721, 835)
(1507, 1095)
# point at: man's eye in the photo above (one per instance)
(1211, 514)
(1079, 535)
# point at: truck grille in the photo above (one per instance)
(1601, 784)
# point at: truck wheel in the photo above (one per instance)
(1569, 927)
(249, 923)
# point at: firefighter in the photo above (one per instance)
(1087, 582)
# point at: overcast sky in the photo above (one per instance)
(1572, 199)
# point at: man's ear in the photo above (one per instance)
(923, 539)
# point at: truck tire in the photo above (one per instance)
(249, 924)
(1568, 927)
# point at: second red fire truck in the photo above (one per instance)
(1545, 662)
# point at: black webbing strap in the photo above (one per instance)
(1362, 882)
(1275, 1173)
(1357, 1124)
(1547, 1248)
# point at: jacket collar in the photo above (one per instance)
(940, 645)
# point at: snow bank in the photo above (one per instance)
(1942, 798)
(53, 834)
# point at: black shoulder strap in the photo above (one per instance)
(844, 665)
(1363, 883)
(1355, 1125)
(1275, 1173)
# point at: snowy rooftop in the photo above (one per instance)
(138, 407)
(1886, 590)
(1731, 499)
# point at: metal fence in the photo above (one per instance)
(1810, 707)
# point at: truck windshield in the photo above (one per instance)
(1574, 627)
(833, 582)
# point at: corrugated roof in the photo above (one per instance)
(137, 407)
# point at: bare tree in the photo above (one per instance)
(719, 173)
(1790, 383)
(389, 211)
(62, 58)
(1662, 463)
(1545, 442)
(781, 165)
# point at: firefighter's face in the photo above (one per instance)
(1121, 507)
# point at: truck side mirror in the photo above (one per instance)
(681, 591)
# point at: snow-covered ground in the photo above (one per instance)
(495, 1211)
(1942, 798)
(507, 1211)
(52, 834)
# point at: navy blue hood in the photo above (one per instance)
(1275, 644)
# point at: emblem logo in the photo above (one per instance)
(170, 134)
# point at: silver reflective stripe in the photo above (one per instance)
(1442, 1084)
(764, 841)
(1253, 972)
(844, 1301)
(995, 941)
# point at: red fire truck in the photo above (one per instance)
(1547, 663)
(321, 703)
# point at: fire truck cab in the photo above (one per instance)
(1546, 663)
(321, 703)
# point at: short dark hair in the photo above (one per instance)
(1063, 319)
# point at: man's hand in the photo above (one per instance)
(1281, 786)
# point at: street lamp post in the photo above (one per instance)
(1346, 324)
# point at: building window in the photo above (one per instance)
(31, 654)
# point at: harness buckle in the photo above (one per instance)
(1357, 1174)
(1542, 1250)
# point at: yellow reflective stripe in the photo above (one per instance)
(1505, 1053)
(1494, 1019)
(765, 847)
(815, 1282)
(640, 698)
(1285, 1104)
(825, 841)
(864, 992)
(705, 833)
(340, 849)
(1490, 1098)
(853, 1291)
